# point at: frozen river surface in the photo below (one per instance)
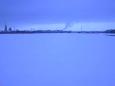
(57, 60)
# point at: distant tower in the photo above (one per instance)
(5, 28)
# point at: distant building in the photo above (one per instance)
(5, 28)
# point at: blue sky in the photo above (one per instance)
(35, 12)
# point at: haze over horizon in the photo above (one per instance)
(92, 14)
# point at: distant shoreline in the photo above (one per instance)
(37, 32)
(53, 31)
(9, 30)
